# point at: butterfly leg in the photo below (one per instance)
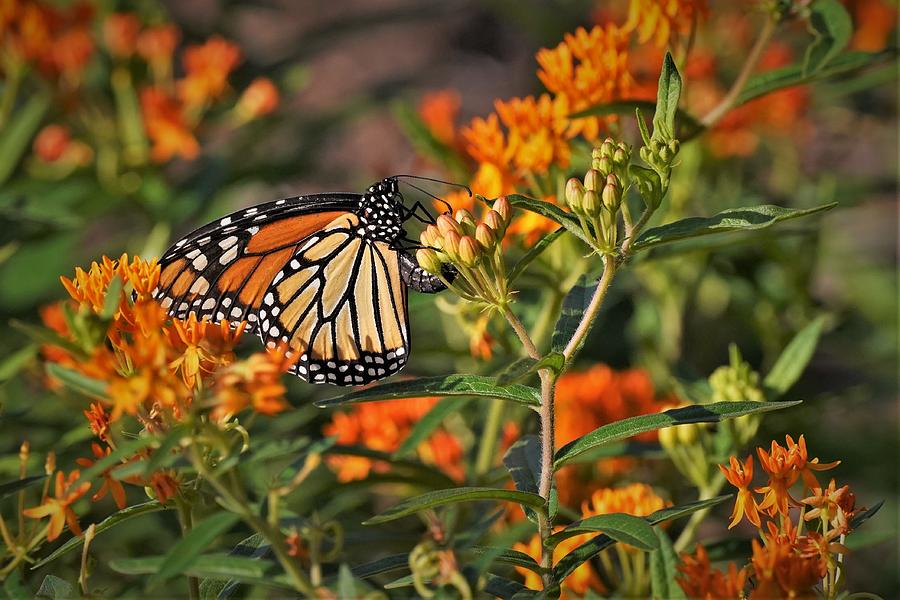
(421, 280)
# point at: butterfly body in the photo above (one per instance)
(324, 274)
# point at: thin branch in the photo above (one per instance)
(587, 320)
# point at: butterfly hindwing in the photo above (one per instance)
(221, 271)
(341, 303)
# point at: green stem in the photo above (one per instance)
(185, 519)
(728, 102)
(590, 314)
(10, 91)
(488, 444)
(690, 530)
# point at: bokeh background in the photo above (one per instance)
(359, 80)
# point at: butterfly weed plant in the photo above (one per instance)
(404, 490)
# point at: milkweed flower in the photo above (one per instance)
(120, 34)
(659, 20)
(582, 580)
(438, 110)
(59, 508)
(167, 126)
(698, 579)
(741, 476)
(157, 45)
(258, 99)
(110, 484)
(207, 67)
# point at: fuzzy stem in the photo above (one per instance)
(587, 320)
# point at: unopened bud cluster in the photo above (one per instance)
(471, 247)
(659, 154)
(737, 382)
(596, 201)
(688, 447)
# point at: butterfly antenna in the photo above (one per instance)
(427, 193)
(454, 184)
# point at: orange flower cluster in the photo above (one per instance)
(636, 499)
(586, 400)
(659, 20)
(786, 563)
(59, 508)
(383, 426)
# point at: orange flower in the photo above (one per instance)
(120, 33)
(537, 131)
(827, 504)
(637, 499)
(165, 485)
(98, 420)
(782, 572)
(438, 111)
(72, 51)
(782, 475)
(383, 426)
(110, 484)
(698, 579)
(208, 67)
(88, 288)
(659, 20)
(741, 476)
(875, 20)
(194, 358)
(577, 584)
(156, 45)
(59, 508)
(800, 459)
(167, 126)
(259, 99)
(586, 69)
(51, 142)
(254, 382)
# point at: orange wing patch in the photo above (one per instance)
(286, 231)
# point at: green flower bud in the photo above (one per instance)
(674, 147)
(607, 148)
(574, 192)
(485, 236)
(428, 260)
(469, 251)
(646, 154)
(604, 165)
(612, 196)
(590, 203)
(466, 220)
(621, 157)
(593, 180)
(666, 155)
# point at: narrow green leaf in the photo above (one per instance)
(589, 549)
(77, 381)
(381, 565)
(664, 568)
(508, 556)
(446, 385)
(42, 335)
(642, 125)
(628, 529)
(667, 97)
(126, 514)
(554, 213)
(186, 551)
(793, 360)
(747, 218)
(523, 460)
(19, 131)
(573, 308)
(453, 496)
(865, 515)
(56, 588)
(212, 566)
(427, 424)
(346, 585)
(533, 253)
(10, 488)
(833, 29)
(123, 451)
(523, 367)
(793, 75)
(13, 363)
(507, 589)
(111, 301)
(695, 413)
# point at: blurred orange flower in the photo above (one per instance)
(577, 584)
(874, 22)
(51, 142)
(157, 45)
(383, 426)
(207, 68)
(120, 33)
(438, 111)
(166, 124)
(258, 99)
(698, 579)
(59, 508)
(659, 20)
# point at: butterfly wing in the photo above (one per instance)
(221, 271)
(341, 303)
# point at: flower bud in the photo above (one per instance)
(120, 32)
(485, 236)
(493, 220)
(646, 154)
(604, 165)
(607, 148)
(464, 217)
(469, 251)
(621, 157)
(665, 154)
(52, 142)
(590, 203)
(674, 147)
(668, 438)
(260, 98)
(428, 260)
(611, 196)
(50, 463)
(593, 180)
(430, 236)
(502, 206)
(446, 224)
(451, 245)
(574, 192)
(687, 434)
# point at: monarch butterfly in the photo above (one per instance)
(327, 274)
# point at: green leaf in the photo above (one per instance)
(188, 549)
(42, 335)
(56, 588)
(747, 218)
(695, 413)
(574, 305)
(628, 529)
(642, 125)
(648, 185)
(211, 566)
(19, 130)
(13, 363)
(667, 97)
(162, 455)
(793, 75)
(112, 298)
(664, 568)
(427, 424)
(381, 565)
(865, 515)
(508, 556)
(453, 496)
(77, 381)
(122, 451)
(346, 585)
(442, 386)
(507, 589)
(554, 213)
(533, 253)
(523, 460)
(833, 29)
(589, 549)
(126, 514)
(523, 367)
(10, 488)
(793, 360)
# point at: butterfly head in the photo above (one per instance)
(380, 211)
